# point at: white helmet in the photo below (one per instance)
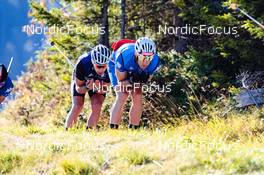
(145, 44)
(100, 54)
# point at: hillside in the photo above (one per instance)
(195, 128)
(220, 146)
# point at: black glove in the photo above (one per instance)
(138, 77)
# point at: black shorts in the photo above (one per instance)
(90, 92)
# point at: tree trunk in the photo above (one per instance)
(104, 37)
(179, 44)
(144, 18)
(123, 19)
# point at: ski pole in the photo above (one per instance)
(68, 60)
(10, 64)
(234, 6)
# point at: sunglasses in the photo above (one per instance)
(146, 56)
(100, 66)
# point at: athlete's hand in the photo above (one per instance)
(89, 84)
(2, 98)
(97, 83)
(139, 77)
(126, 85)
(98, 86)
(101, 86)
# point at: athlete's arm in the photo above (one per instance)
(81, 86)
(2, 98)
(121, 76)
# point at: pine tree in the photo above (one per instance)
(123, 18)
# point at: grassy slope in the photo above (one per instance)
(33, 142)
(220, 146)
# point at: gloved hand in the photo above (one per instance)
(139, 77)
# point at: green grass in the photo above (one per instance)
(219, 146)
(247, 165)
(35, 130)
(9, 161)
(135, 156)
(75, 167)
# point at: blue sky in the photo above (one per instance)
(14, 42)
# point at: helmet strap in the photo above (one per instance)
(136, 58)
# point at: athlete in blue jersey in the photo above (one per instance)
(90, 74)
(130, 66)
(6, 85)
